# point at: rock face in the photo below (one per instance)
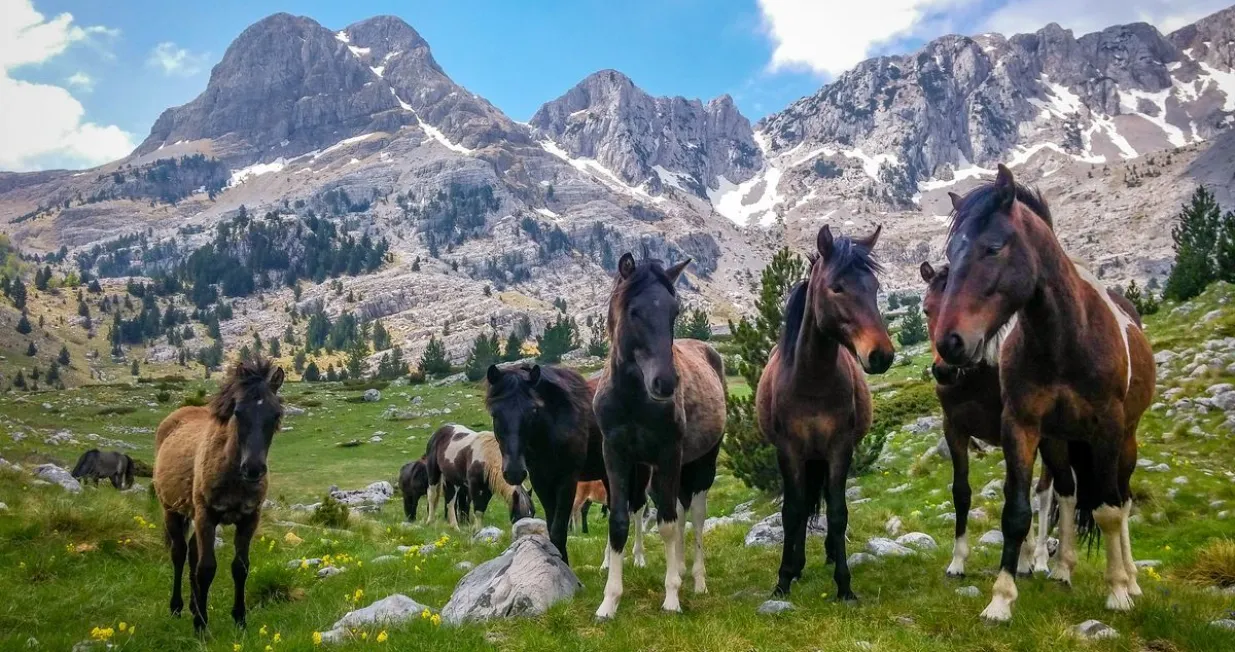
(523, 581)
(56, 475)
(652, 142)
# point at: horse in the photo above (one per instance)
(972, 407)
(812, 401)
(470, 462)
(114, 466)
(1076, 369)
(210, 468)
(546, 428)
(414, 484)
(586, 494)
(661, 406)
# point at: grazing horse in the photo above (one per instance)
(586, 494)
(114, 466)
(414, 483)
(813, 403)
(545, 426)
(1076, 368)
(467, 463)
(210, 468)
(661, 407)
(972, 408)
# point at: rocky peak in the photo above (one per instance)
(651, 142)
(1210, 40)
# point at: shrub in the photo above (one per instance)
(913, 327)
(116, 409)
(330, 513)
(163, 396)
(1214, 564)
(891, 410)
(271, 584)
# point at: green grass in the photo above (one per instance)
(71, 563)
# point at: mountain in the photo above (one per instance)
(342, 172)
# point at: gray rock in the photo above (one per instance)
(389, 611)
(489, 534)
(1224, 401)
(881, 547)
(417, 400)
(1093, 630)
(297, 563)
(465, 566)
(853, 493)
(899, 489)
(1179, 479)
(384, 559)
(377, 494)
(1148, 563)
(371, 395)
(969, 592)
(859, 558)
(1223, 623)
(992, 489)
(917, 541)
(330, 571)
(1161, 467)
(767, 532)
(991, 538)
(529, 527)
(525, 580)
(942, 449)
(893, 526)
(772, 607)
(56, 475)
(1164, 356)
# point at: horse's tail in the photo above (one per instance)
(1088, 496)
(129, 471)
(86, 463)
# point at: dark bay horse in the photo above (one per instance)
(972, 408)
(545, 426)
(414, 485)
(114, 466)
(661, 407)
(1076, 368)
(813, 402)
(463, 461)
(210, 468)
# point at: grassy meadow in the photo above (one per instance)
(72, 563)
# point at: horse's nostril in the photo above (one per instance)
(951, 346)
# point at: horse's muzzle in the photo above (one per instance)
(945, 374)
(514, 476)
(252, 473)
(879, 361)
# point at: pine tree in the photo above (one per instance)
(484, 352)
(135, 370)
(1196, 238)
(331, 376)
(381, 337)
(23, 325)
(694, 326)
(53, 372)
(311, 374)
(1144, 302)
(17, 292)
(913, 327)
(598, 345)
(246, 353)
(514, 347)
(298, 362)
(63, 358)
(94, 287)
(32, 350)
(19, 381)
(559, 338)
(274, 349)
(433, 362)
(751, 457)
(357, 356)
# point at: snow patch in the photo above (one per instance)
(359, 52)
(672, 178)
(378, 70)
(735, 202)
(256, 170)
(548, 213)
(339, 145)
(1225, 81)
(971, 172)
(1131, 98)
(871, 164)
(429, 129)
(598, 171)
(342, 36)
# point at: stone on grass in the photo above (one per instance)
(525, 580)
(1148, 563)
(767, 532)
(1223, 623)
(893, 526)
(56, 475)
(465, 566)
(969, 592)
(991, 490)
(377, 493)
(991, 538)
(330, 571)
(389, 611)
(297, 563)
(881, 547)
(1093, 630)
(384, 559)
(917, 540)
(1159, 468)
(772, 607)
(371, 395)
(859, 558)
(489, 534)
(529, 526)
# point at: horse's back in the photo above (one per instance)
(701, 388)
(175, 443)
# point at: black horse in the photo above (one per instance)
(544, 424)
(414, 484)
(114, 466)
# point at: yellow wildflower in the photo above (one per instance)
(381, 638)
(357, 595)
(122, 626)
(269, 648)
(102, 633)
(317, 638)
(132, 630)
(436, 619)
(418, 569)
(236, 647)
(364, 636)
(263, 631)
(425, 614)
(278, 637)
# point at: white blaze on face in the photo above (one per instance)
(1120, 316)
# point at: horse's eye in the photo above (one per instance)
(837, 288)
(994, 249)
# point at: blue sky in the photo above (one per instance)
(121, 63)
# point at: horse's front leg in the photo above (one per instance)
(665, 493)
(561, 519)
(1020, 447)
(1114, 508)
(962, 496)
(793, 520)
(620, 470)
(174, 527)
(1057, 462)
(838, 519)
(203, 530)
(240, 564)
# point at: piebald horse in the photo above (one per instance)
(661, 406)
(468, 461)
(1076, 368)
(813, 402)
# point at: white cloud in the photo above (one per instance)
(81, 81)
(173, 60)
(42, 124)
(828, 37)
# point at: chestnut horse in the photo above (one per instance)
(210, 468)
(661, 407)
(467, 464)
(1076, 368)
(586, 494)
(813, 402)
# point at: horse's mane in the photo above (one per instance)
(491, 455)
(648, 272)
(846, 255)
(561, 388)
(248, 380)
(795, 311)
(984, 201)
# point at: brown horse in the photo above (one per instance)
(210, 468)
(414, 484)
(587, 493)
(1076, 369)
(813, 402)
(470, 462)
(972, 409)
(661, 407)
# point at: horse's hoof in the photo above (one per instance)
(956, 575)
(1024, 574)
(780, 592)
(848, 597)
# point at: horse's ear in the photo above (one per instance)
(824, 241)
(533, 376)
(626, 265)
(870, 240)
(956, 201)
(928, 272)
(674, 272)
(276, 379)
(494, 374)
(1006, 185)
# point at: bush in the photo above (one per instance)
(271, 584)
(1144, 301)
(891, 412)
(1214, 564)
(163, 396)
(913, 327)
(116, 409)
(330, 513)
(433, 362)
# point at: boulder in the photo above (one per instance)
(525, 580)
(991, 490)
(991, 538)
(529, 526)
(881, 547)
(893, 526)
(859, 558)
(329, 571)
(56, 475)
(917, 541)
(371, 395)
(377, 493)
(767, 532)
(772, 607)
(1223, 623)
(489, 534)
(1093, 630)
(389, 611)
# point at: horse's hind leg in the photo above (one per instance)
(666, 495)
(1127, 463)
(1041, 554)
(620, 472)
(1056, 459)
(240, 564)
(1111, 517)
(203, 527)
(838, 520)
(816, 491)
(962, 496)
(174, 527)
(793, 519)
(583, 510)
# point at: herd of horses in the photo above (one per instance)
(1030, 353)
